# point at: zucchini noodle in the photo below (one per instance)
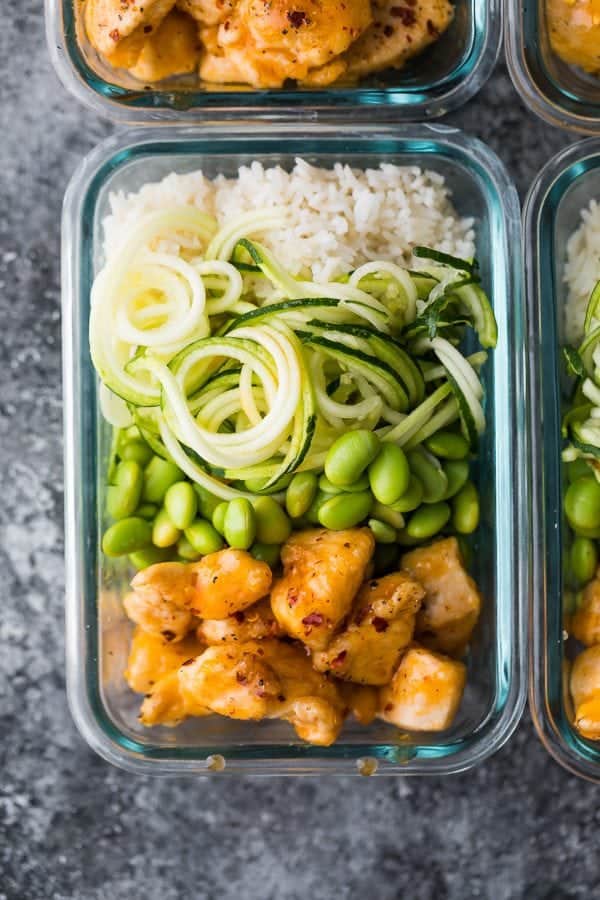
(233, 387)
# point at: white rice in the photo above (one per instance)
(582, 269)
(337, 218)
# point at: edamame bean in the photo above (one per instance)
(465, 509)
(328, 488)
(578, 469)
(411, 498)
(448, 445)
(240, 524)
(388, 514)
(207, 502)
(431, 475)
(457, 473)
(428, 520)
(385, 558)
(582, 504)
(204, 537)
(136, 450)
(147, 511)
(301, 493)
(268, 553)
(186, 551)
(350, 455)
(127, 536)
(218, 517)
(382, 532)
(584, 559)
(181, 504)
(149, 557)
(272, 524)
(164, 532)
(345, 510)
(159, 475)
(123, 497)
(389, 474)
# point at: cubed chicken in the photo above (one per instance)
(585, 691)
(264, 44)
(118, 29)
(151, 657)
(452, 602)
(256, 680)
(574, 29)
(399, 32)
(323, 571)
(252, 624)
(218, 586)
(425, 692)
(381, 626)
(158, 616)
(585, 624)
(173, 48)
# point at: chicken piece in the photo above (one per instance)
(574, 27)
(362, 701)
(398, 32)
(219, 585)
(255, 680)
(119, 29)
(585, 623)
(151, 657)
(452, 602)
(425, 692)
(207, 12)
(264, 44)
(368, 650)
(323, 570)
(253, 624)
(233, 680)
(173, 48)
(585, 691)
(158, 616)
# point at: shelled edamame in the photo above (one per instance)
(404, 498)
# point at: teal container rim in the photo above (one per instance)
(408, 102)
(81, 544)
(540, 89)
(551, 719)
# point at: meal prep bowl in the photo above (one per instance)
(444, 77)
(558, 92)
(98, 632)
(552, 213)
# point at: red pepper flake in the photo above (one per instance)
(188, 662)
(339, 660)
(169, 635)
(239, 617)
(432, 30)
(380, 624)
(297, 18)
(405, 14)
(240, 678)
(114, 35)
(292, 597)
(147, 29)
(388, 31)
(388, 707)
(313, 619)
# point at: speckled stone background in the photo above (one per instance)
(72, 827)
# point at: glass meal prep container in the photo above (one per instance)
(450, 72)
(552, 213)
(558, 92)
(97, 631)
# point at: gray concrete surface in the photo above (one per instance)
(73, 828)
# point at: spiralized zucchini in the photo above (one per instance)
(234, 387)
